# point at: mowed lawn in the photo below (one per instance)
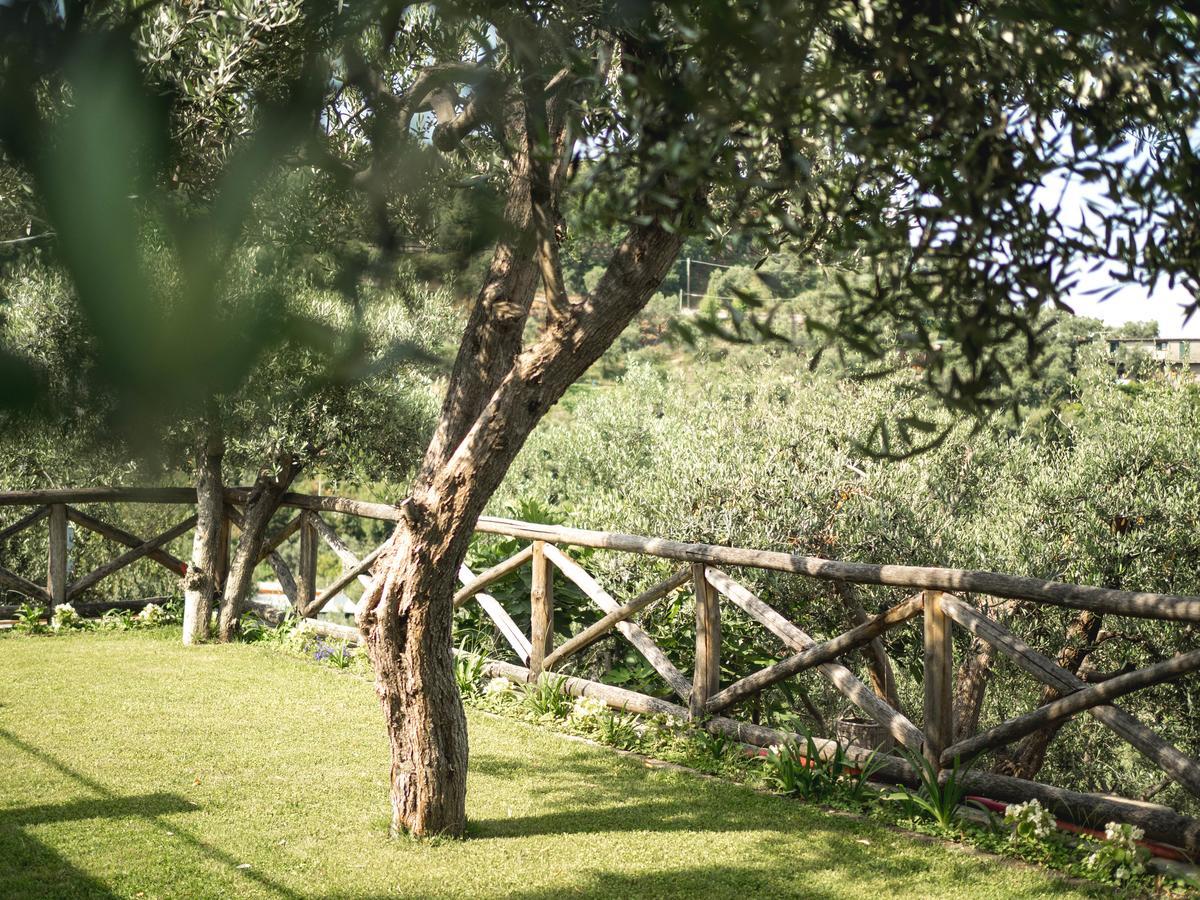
(131, 767)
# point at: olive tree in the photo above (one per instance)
(918, 139)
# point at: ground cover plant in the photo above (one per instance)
(130, 767)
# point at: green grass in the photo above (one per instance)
(130, 767)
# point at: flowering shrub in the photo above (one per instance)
(65, 616)
(498, 685)
(1119, 856)
(152, 614)
(1030, 822)
(587, 710)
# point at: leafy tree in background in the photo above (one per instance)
(914, 140)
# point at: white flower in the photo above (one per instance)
(64, 617)
(152, 614)
(1029, 819)
(586, 708)
(498, 685)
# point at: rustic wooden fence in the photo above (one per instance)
(927, 594)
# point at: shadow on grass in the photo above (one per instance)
(38, 870)
(577, 793)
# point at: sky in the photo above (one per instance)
(1132, 303)
(1136, 304)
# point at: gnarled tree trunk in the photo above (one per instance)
(201, 582)
(406, 616)
(264, 499)
(1027, 760)
(879, 664)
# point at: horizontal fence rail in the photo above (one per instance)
(700, 696)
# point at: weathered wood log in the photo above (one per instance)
(1160, 823)
(24, 522)
(493, 574)
(306, 577)
(541, 609)
(635, 635)
(345, 505)
(599, 629)
(1170, 759)
(56, 567)
(1071, 704)
(938, 678)
(838, 675)
(1104, 600)
(14, 582)
(272, 615)
(706, 678)
(339, 547)
(96, 609)
(828, 651)
(121, 536)
(274, 541)
(508, 629)
(344, 579)
(90, 580)
(348, 633)
(100, 495)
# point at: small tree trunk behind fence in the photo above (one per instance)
(1030, 755)
(264, 500)
(210, 545)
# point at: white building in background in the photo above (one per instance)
(270, 593)
(1171, 352)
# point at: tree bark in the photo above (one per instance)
(200, 583)
(974, 676)
(263, 501)
(1027, 760)
(879, 665)
(406, 618)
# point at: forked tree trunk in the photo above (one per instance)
(406, 616)
(496, 395)
(264, 500)
(200, 585)
(1027, 760)
(974, 676)
(879, 665)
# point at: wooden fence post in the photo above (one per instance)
(56, 571)
(307, 576)
(706, 678)
(541, 610)
(939, 679)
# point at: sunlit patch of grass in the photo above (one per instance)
(130, 766)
